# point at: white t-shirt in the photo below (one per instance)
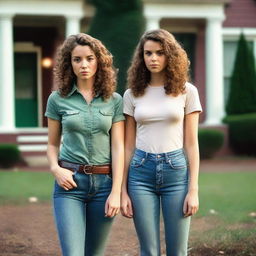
(160, 117)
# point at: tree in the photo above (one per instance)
(242, 96)
(119, 25)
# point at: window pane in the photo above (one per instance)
(230, 48)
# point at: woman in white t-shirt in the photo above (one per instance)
(162, 156)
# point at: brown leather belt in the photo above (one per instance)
(87, 169)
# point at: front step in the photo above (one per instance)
(32, 144)
(30, 141)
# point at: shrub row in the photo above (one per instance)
(210, 141)
(9, 155)
(242, 133)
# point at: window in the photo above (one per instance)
(230, 48)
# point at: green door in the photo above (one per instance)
(26, 105)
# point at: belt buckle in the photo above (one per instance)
(88, 169)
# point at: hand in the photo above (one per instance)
(126, 205)
(64, 178)
(112, 206)
(191, 204)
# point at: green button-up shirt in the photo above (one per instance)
(85, 127)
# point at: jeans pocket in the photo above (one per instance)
(109, 176)
(137, 161)
(178, 162)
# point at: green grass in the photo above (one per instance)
(17, 187)
(231, 195)
(237, 242)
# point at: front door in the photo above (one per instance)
(26, 89)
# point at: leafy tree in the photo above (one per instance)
(119, 25)
(242, 97)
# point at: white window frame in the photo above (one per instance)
(233, 34)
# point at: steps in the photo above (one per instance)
(32, 142)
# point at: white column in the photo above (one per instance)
(214, 72)
(72, 25)
(152, 23)
(7, 94)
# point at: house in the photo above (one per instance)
(31, 30)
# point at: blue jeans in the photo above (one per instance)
(159, 180)
(80, 215)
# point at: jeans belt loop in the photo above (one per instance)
(166, 157)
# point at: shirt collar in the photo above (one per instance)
(74, 88)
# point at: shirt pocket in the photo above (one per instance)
(104, 120)
(106, 112)
(71, 120)
(69, 113)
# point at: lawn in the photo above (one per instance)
(226, 216)
(223, 225)
(230, 196)
(16, 187)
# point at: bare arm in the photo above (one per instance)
(117, 149)
(63, 176)
(130, 136)
(112, 206)
(191, 203)
(54, 137)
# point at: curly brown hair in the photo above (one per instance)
(105, 79)
(176, 70)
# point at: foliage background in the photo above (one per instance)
(119, 25)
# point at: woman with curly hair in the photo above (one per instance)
(161, 144)
(88, 115)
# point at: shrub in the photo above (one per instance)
(9, 155)
(242, 96)
(242, 137)
(210, 141)
(119, 25)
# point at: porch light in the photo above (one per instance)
(46, 62)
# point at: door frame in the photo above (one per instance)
(30, 47)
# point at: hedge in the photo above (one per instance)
(210, 141)
(242, 137)
(9, 155)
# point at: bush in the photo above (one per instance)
(242, 137)
(9, 155)
(119, 25)
(210, 141)
(242, 96)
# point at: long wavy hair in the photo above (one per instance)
(105, 78)
(176, 70)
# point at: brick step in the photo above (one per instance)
(32, 143)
